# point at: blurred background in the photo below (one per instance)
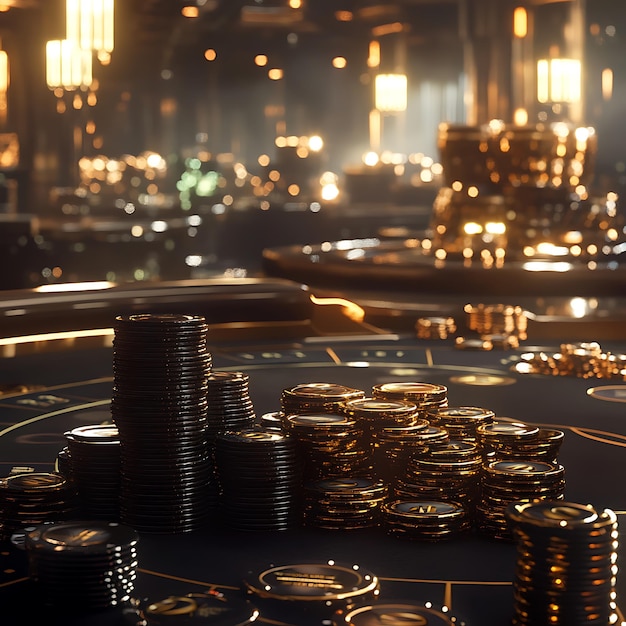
(148, 140)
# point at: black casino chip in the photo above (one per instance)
(311, 591)
(207, 608)
(397, 614)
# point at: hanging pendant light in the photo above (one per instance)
(91, 24)
(67, 66)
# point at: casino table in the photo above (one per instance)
(55, 382)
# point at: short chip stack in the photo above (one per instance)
(434, 327)
(385, 422)
(260, 476)
(94, 462)
(566, 564)
(461, 422)
(505, 482)
(344, 503)
(35, 498)
(448, 471)
(425, 520)
(83, 566)
(332, 445)
(317, 398)
(229, 404)
(427, 397)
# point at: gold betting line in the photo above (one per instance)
(582, 432)
(67, 409)
(93, 381)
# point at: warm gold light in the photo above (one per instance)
(391, 92)
(558, 80)
(607, 83)
(260, 60)
(190, 12)
(67, 65)
(344, 16)
(520, 117)
(373, 60)
(90, 23)
(210, 54)
(387, 29)
(4, 72)
(275, 73)
(339, 62)
(520, 22)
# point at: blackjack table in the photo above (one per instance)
(56, 375)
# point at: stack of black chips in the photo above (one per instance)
(230, 406)
(159, 405)
(505, 482)
(344, 503)
(317, 398)
(448, 472)
(35, 498)
(427, 397)
(461, 422)
(566, 564)
(82, 566)
(94, 466)
(331, 445)
(260, 476)
(425, 520)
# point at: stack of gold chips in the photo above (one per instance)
(584, 360)
(505, 482)
(495, 319)
(389, 427)
(497, 325)
(461, 422)
(448, 471)
(316, 398)
(331, 445)
(426, 396)
(435, 327)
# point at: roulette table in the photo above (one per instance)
(56, 375)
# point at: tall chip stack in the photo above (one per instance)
(566, 566)
(159, 404)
